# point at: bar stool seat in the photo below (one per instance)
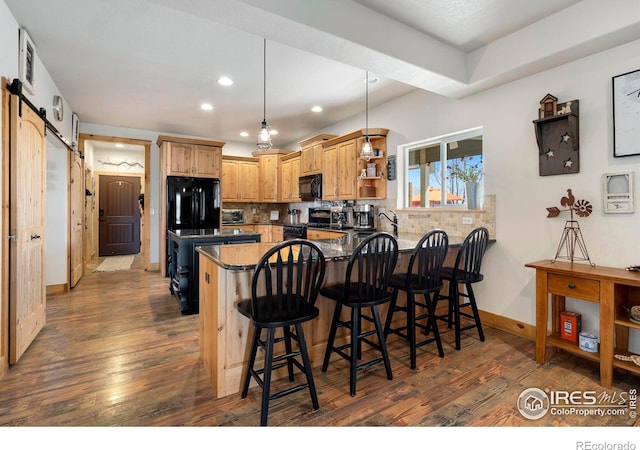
(284, 287)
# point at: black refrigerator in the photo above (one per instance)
(193, 203)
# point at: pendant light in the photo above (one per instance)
(367, 151)
(264, 136)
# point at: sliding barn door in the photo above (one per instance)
(27, 286)
(76, 229)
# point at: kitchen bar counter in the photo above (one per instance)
(225, 279)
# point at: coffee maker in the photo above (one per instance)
(364, 218)
(341, 217)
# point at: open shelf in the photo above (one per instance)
(555, 340)
(626, 365)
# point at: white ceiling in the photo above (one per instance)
(149, 64)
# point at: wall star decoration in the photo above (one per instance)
(557, 136)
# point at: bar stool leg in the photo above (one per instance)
(288, 349)
(332, 336)
(476, 314)
(252, 360)
(432, 323)
(390, 311)
(268, 364)
(455, 302)
(383, 342)
(355, 347)
(411, 328)
(307, 366)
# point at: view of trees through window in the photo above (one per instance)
(438, 170)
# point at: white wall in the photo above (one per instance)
(45, 89)
(510, 157)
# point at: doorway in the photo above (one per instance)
(109, 155)
(118, 215)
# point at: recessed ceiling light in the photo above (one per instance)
(206, 106)
(244, 134)
(225, 81)
(119, 145)
(317, 108)
(273, 132)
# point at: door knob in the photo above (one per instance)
(35, 236)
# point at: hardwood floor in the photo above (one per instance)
(116, 352)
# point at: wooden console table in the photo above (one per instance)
(611, 288)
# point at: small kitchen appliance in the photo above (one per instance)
(341, 217)
(364, 217)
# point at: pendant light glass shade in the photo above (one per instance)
(264, 135)
(367, 152)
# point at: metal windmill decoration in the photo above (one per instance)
(571, 235)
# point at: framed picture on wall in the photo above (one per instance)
(626, 114)
(26, 68)
(75, 130)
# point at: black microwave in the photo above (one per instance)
(310, 187)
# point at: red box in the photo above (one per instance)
(570, 325)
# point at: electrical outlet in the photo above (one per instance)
(382, 209)
(467, 221)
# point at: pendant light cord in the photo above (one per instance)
(366, 108)
(264, 80)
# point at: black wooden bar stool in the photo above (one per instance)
(422, 279)
(465, 272)
(285, 284)
(365, 286)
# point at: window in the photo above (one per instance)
(434, 171)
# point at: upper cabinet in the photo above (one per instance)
(311, 154)
(239, 179)
(190, 157)
(269, 177)
(289, 174)
(345, 176)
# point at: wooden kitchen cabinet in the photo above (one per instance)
(311, 154)
(190, 158)
(269, 165)
(342, 166)
(371, 188)
(339, 171)
(239, 181)
(289, 174)
(313, 233)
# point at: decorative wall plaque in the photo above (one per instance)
(557, 134)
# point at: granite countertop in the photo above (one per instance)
(245, 256)
(210, 233)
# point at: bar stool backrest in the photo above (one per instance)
(370, 267)
(286, 281)
(469, 259)
(427, 259)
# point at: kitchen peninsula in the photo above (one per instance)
(225, 279)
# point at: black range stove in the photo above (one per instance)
(294, 231)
